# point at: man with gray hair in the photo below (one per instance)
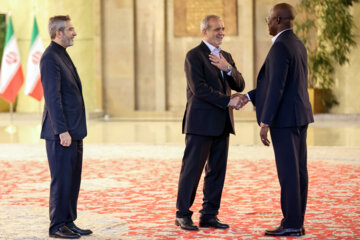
(63, 128)
(208, 120)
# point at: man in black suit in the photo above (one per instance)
(63, 128)
(208, 120)
(283, 106)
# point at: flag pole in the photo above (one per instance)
(11, 129)
(11, 113)
(11, 105)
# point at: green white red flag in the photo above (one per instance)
(11, 76)
(33, 85)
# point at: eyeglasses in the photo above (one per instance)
(268, 19)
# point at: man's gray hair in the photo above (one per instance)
(204, 25)
(57, 23)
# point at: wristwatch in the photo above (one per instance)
(228, 68)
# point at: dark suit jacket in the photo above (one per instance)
(64, 108)
(208, 94)
(281, 96)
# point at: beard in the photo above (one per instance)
(67, 42)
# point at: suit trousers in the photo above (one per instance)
(65, 168)
(291, 162)
(200, 150)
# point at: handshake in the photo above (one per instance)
(237, 101)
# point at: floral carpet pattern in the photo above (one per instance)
(129, 191)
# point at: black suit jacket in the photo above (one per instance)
(64, 108)
(281, 97)
(208, 94)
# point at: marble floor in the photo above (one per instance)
(328, 130)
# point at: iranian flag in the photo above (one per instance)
(11, 76)
(33, 85)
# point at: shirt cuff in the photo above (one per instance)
(248, 97)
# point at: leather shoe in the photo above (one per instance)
(212, 222)
(186, 223)
(80, 231)
(281, 231)
(64, 232)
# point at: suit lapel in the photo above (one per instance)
(226, 84)
(76, 75)
(221, 78)
(69, 64)
(207, 52)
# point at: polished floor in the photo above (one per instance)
(328, 130)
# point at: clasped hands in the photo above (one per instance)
(238, 100)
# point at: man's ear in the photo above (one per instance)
(58, 34)
(278, 20)
(203, 32)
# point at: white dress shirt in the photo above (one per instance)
(277, 35)
(216, 51)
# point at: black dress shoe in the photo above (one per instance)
(186, 223)
(64, 232)
(80, 231)
(281, 231)
(212, 222)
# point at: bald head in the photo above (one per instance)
(285, 12)
(281, 17)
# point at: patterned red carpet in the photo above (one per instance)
(134, 197)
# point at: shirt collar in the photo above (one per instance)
(277, 35)
(212, 48)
